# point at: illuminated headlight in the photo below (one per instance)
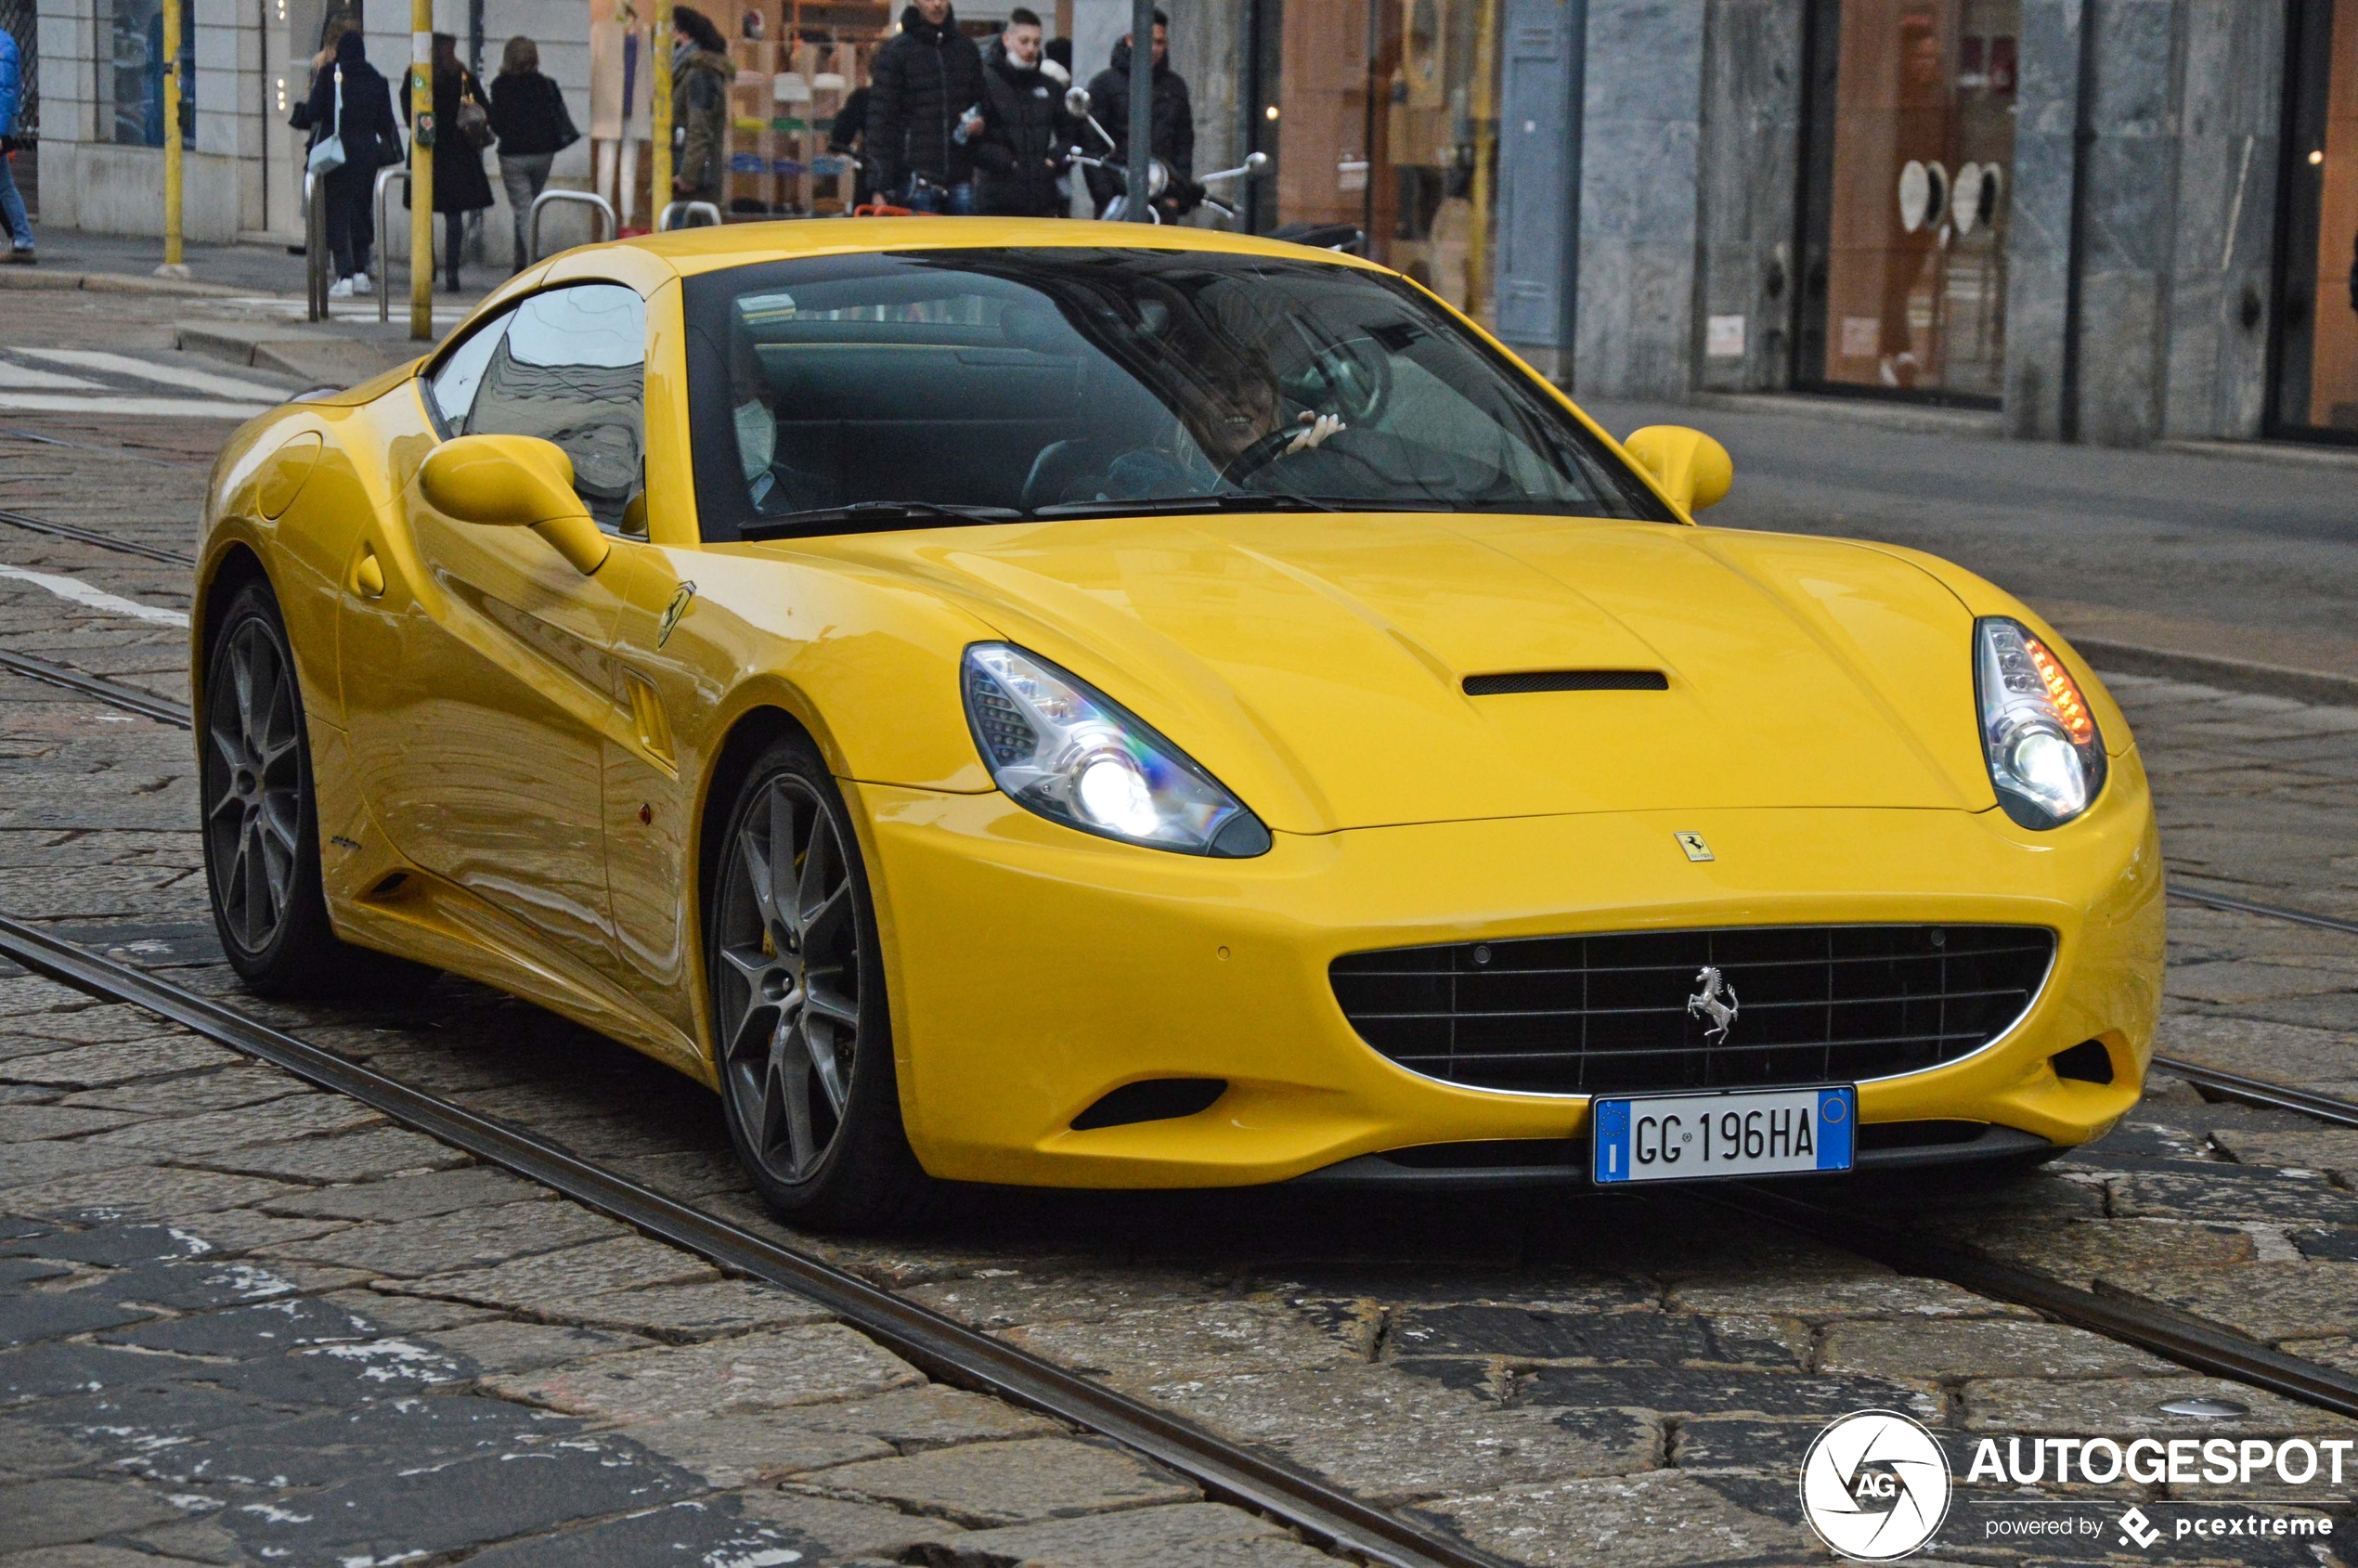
(2046, 756)
(1066, 750)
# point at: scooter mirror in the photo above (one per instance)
(1077, 102)
(1256, 161)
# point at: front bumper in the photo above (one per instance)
(1032, 970)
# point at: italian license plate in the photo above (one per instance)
(1687, 1137)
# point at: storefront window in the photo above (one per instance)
(2317, 310)
(1912, 176)
(130, 79)
(1396, 137)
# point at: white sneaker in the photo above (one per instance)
(360, 284)
(341, 289)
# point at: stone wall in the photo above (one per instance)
(1641, 113)
(2221, 261)
(1747, 171)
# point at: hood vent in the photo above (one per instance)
(1566, 680)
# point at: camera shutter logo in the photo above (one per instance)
(1875, 1485)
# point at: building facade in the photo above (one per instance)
(2115, 220)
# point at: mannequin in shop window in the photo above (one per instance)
(1911, 254)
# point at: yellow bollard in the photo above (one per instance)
(1485, 131)
(172, 266)
(423, 130)
(659, 181)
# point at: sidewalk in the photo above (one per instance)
(2237, 567)
(213, 269)
(248, 304)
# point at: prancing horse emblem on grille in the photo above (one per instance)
(1716, 1002)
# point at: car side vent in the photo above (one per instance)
(1156, 1100)
(1566, 680)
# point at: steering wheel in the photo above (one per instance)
(1261, 454)
(1352, 378)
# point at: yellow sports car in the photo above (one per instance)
(1057, 704)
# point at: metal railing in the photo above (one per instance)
(315, 249)
(384, 251)
(599, 206)
(685, 210)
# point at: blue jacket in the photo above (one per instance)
(11, 83)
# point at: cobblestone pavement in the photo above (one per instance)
(245, 1318)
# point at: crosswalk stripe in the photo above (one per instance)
(147, 370)
(151, 408)
(96, 599)
(25, 377)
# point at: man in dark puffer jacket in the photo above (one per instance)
(925, 94)
(1025, 132)
(1174, 141)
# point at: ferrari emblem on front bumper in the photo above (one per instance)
(1694, 846)
(1717, 1001)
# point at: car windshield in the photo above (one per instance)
(928, 388)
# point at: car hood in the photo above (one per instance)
(1315, 664)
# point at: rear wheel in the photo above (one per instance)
(261, 821)
(800, 1021)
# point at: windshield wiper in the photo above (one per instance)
(871, 516)
(1224, 501)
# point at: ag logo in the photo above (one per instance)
(1875, 1485)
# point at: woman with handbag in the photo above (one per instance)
(350, 112)
(528, 116)
(461, 130)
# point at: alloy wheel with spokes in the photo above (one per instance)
(789, 976)
(254, 783)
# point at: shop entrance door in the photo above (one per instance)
(2314, 395)
(1908, 176)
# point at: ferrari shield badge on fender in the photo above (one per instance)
(678, 607)
(1691, 842)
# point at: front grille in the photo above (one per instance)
(1611, 1015)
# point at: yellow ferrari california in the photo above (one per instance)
(1063, 705)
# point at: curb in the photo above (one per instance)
(1911, 419)
(2242, 675)
(319, 357)
(2299, 454)
(117, 284)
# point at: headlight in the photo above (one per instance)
(1067, 751)
(2046, 756)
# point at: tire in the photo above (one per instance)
(261, 819)
(801, 1033)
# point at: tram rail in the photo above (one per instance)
(967, 1357)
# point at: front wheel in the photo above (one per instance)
(799, 1023)
(262, 821)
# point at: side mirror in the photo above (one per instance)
(1693, 470)
(513, 482)
(1255, 162)
(1077, 102)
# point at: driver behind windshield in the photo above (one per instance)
(1235, 420)
(992, 384)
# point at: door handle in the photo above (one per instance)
(368, 577)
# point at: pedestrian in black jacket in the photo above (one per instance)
(529, 117)
(371, 141)
(459, 187)
(1025, 131)
(847, 136)
(924, 110)
(1174, 141)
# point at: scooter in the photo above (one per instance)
(1159, 178)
